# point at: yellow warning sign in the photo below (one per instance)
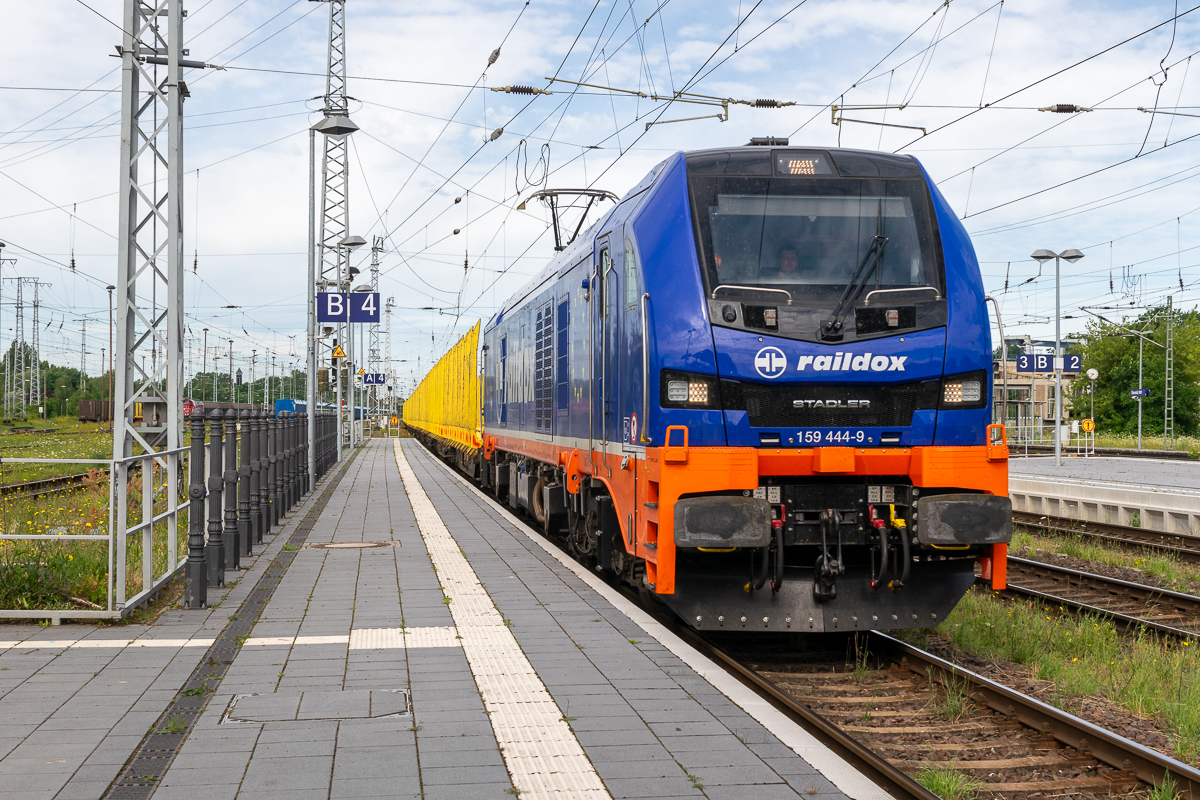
(338, 352)
(1089, 426)
(395, 421)
(362, 372)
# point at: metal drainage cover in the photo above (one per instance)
(348, 545)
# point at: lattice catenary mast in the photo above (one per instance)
(373, 362)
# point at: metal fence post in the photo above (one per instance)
(293, 451)
(230, 537)
(273, 449)
(244, 531)
(304, 454)
(285, 463)
(214, 552)
(255, 475)
(264, 495)
(195, 581)
(276, 500)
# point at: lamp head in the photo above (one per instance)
(1071, 255)
(351, 242)
(1042, 255)
(335, 127)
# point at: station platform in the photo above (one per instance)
(1167, 474)
(1160, 494)
(402, 636)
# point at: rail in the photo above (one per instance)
(1131, 605)
(1184, 546)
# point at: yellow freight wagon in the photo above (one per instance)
(447, 403)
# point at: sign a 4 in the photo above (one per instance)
(348, 307)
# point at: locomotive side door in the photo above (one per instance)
(605, 421)
(632, 377)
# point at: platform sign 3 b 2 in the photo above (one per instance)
(1044, 362)
(348, 307)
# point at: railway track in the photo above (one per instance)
(918, 712)
(43, 486)
(1132, 605)
(1185, 547)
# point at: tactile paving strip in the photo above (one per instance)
(541, 753)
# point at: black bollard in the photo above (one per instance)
(264, 495)
(293, 449)
(230, 537)
(214, 551)
(304, 454)
(273, 471)
(285, 463)
(195, 582)
(245, 532)
(255, 475)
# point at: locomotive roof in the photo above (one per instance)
(747, 159)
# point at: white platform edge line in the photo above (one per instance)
(832, 766)
(523, 707)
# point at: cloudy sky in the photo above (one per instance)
(1116, 182)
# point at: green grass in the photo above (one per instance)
(1189, 444)
(1167, 568)
(58, 574)
(1083, 656)
(72, 440)
(948, 783)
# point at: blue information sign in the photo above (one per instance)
(1044, 362)
(374, 379)
(348, 307)
(1139, 393)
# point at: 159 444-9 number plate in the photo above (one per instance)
(842, 436)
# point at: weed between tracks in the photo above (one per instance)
(948, 783)
(1170, 572)
(1084, 656)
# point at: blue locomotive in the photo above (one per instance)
(759, 389)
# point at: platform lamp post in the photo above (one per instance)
(346, 274)
(1071, 256)
(337, 127)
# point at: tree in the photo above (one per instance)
(1113, 352)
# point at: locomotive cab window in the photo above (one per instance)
(631, 271)
(794, 234)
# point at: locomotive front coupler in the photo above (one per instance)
(828, 568)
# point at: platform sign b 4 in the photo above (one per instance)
(348, 307)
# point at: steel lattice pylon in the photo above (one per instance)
(387, 355)
(373, 362)
(335, 174)
(35, 359)
(149, 323)
(1169, 387)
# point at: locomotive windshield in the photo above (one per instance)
(800, 230)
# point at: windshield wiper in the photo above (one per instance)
(831, 328)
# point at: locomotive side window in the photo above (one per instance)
(631, 270)
(503, 380)
(562, 370)
(543, 367)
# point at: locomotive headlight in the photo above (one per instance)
(965, 391)
(684, 390)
